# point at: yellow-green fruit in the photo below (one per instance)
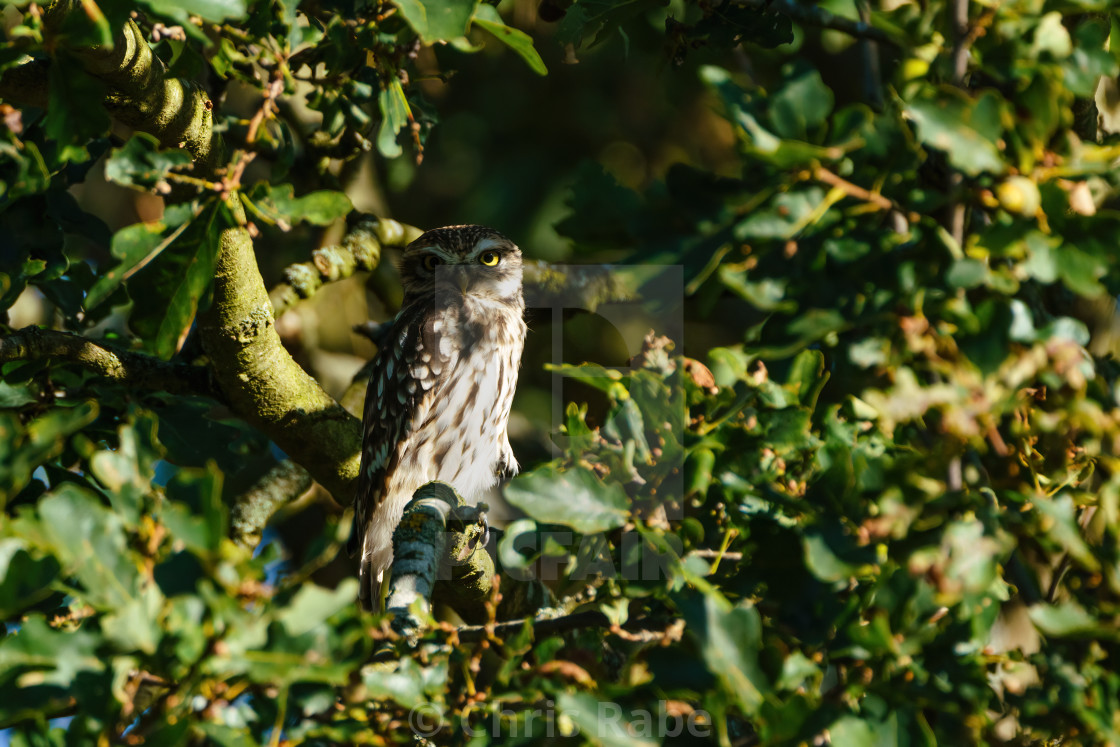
(1018, 194)
(914, 68)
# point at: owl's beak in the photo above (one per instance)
(457, 278)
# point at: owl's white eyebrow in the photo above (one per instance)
(485, 244)
(439, 252)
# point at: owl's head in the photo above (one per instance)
(458, 261)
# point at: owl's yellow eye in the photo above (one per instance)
(490, 259)
(431, 261)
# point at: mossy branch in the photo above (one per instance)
(134, 369)
(177, 111)
(263, 383)
(282, 484)
(256, 375)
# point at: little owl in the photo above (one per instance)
(442, 383)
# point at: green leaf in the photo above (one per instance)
(781, 219)
(210, 10)
(136, 625)
(23, 448)
(135, 246)
(407, 683)
(829, 563)
(320, 208)
(487, 17)
(808, 376)
(1061, 527)
(814, 324)
(394, 118)
(24, 578)
(966, 130)
(575, 498)
(58, 655)
(90, 541)
(195, 513)
(12, 397)
(1080, 271)
(801, 105)
(1051, 37)
(967, 273)
(142, 164)
(169, 290)
(1067, 619)
(730, 640)
(75, 115)
(609, 722)
(313, 605)
(126, 471)
(767, 294)
(437, 20)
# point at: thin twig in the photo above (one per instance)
(543, 626)
(961, 42)
(810, 15)
(822, 174)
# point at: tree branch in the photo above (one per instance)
(141, 95)
(420, 557)
(134, 369)
(439, 551)
(177, 111)
(263, 383)
(548, 625)
(810, 15)
(956, 214)
(260, 380)
(282, 484)
(360, 249)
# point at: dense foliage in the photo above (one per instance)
(856, 487)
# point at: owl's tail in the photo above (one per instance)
(377, 556)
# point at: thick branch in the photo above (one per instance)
(439, 552)
(360, 249)
(426, 549)
(134, 369)
(260, 380)
(812, 15)
(264, 384)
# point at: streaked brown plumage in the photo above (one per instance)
(442, 384)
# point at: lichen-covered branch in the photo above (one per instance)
(359, 250)
(439, 551)
(282, 484)
(134, 369)
(419, 545)
(263, 383)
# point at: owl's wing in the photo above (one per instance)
(405, 376)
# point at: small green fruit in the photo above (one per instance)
(1019, 195)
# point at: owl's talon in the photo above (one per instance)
(485, 524)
